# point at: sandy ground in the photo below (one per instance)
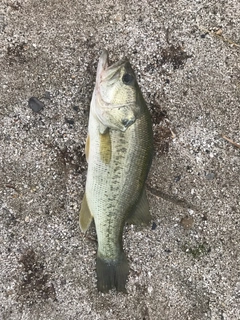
(185, 265)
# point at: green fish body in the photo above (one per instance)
(119, 152)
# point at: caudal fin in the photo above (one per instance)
(112, 274)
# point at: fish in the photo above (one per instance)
(119, 151)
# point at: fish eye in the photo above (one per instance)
(127, 78)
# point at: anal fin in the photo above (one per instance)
(140, 214)
(85, 217)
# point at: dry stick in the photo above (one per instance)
(179, 202)
(232, 142)
(219, 36)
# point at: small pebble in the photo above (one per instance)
(210, 176)
(70, 121)
(154, 226)
(177, 178)
(187, 222)
(76, 108)
(47, 95)
(35, 104)
(167, 250)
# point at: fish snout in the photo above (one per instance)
(128, 122)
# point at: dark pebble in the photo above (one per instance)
(167, 250)
(154, 226)
(76, 108)
(177, 178)
(35, 104)
(70, 121)
(47, 95)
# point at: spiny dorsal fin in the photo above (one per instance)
(85, 217)
(141, 214)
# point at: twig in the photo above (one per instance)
(179, 202)
(232, 142)
(10, 186)
(173, 134)
(218, 35)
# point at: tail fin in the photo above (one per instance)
(112, 274)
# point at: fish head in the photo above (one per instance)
(116, 94)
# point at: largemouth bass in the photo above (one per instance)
(119, 151)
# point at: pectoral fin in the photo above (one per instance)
(105, 147)
(85, 217)
(102, 128)
(141, 214)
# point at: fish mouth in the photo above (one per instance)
(104, 71)
(103, 60)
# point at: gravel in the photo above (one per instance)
(185, 265)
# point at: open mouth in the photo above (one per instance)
(104, 71)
